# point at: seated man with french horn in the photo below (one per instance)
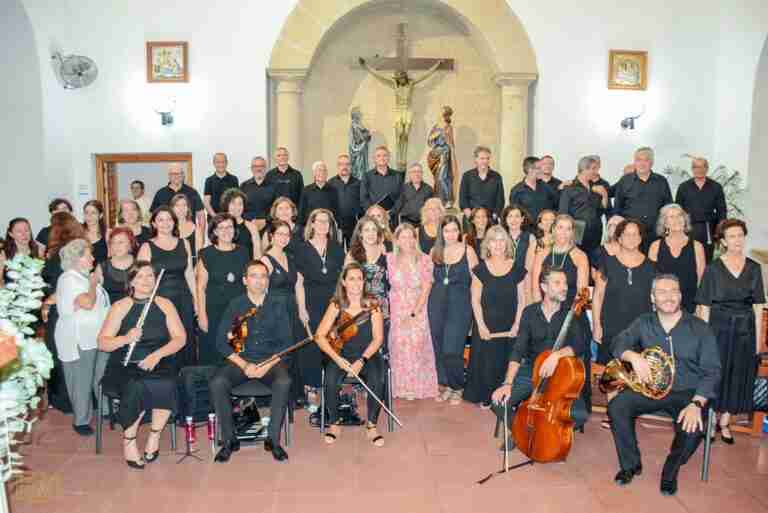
(675, 368)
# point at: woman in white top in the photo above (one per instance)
(82, 305)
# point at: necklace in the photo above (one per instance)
(629, 276)
(446, 281)
(323, 258)
(562, 261)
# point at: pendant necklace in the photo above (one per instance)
(562, 262)
(323, 257)
(446, 281)
(230, 277)
(629, 276)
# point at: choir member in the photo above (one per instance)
(532, 193)
(415, 192)
(431, 214)
(215, 185)
(482, 186)
(259, 193)
(318, 194)
(704, 200)
(175, 186)
(287, 181)
(347, 189)
(382, 184)
(586, 202)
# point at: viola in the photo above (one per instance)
(346, 326)
(238, 334)
(543, 425)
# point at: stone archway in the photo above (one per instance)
(490, 24)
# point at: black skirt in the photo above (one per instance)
(736, 335)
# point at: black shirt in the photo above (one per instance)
(476, 192)
(215, 187)
(408, 206)
(260, 197)
(315, 197)
(42, 235)
(584, 205)
(537, 335)
(534, 201)
(375, 186)
(554, 184)
(641, 200)
(706, 206)
(696, 356)
(289, 184)
(347, 199)
(611, 189)
(164, 195)
(268, 331)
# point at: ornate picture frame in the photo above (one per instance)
(628, 70)
(167, 61)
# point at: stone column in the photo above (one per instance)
(513, 125)
(289, 87)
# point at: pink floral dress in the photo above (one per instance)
(412, 356)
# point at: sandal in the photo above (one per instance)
(330, 438)
(150, 457)
(136, 465)
(605, 424)
(378, 440)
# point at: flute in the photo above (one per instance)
(143, 317)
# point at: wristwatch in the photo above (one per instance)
(697, 403)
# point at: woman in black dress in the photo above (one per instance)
(283, 209)
(113, 273)
(516, 220)
(319, 260)
(188, 230)
(148, 381)
(246, 232)
(360, 355)
(219, 271)
(431, 214)
(675, 252)
(449, 307)
(64, 229)
(130, 215)
(730, 292)
(96, 230)
(479, 221)
(497, 310)
(167, 251)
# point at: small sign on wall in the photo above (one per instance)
(167, 61)
(628, 69)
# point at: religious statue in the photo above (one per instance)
(441, 159)
(402, 85)
(359, 137)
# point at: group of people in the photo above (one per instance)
(421, 284)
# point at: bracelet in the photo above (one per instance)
(363, 359)
(507, 383)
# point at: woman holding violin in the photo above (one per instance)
(353, 348)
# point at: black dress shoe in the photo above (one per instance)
(84, 430)
(624, 477)
(668, 488)
(277, 452)
(226, 451)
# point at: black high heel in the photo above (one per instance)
(150, 457)
(726, 439)
(132, 463)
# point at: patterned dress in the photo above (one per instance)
(412, 356)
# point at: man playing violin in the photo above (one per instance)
(540, 325)
(359, 353)
(267, 328)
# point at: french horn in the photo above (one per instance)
(619, 374)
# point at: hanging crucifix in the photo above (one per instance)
(402, 84)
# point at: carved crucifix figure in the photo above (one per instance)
(402, 84)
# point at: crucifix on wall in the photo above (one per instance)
(402, 84)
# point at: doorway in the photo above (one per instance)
(116, 171)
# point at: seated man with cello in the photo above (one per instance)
(540, 325)
(682, 377)
(258, 327)
(351, 333)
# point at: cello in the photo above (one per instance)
(543, 424)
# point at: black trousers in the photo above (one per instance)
(628, 405)
(373, 375)
(229, 376)
(522, 388)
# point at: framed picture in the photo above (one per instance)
(167, 61)
(628, 69)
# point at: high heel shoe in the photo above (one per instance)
(726, 439)
(150, 457)
(136, 465)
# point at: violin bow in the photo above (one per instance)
(384, 406)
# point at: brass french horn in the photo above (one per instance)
(619, 375)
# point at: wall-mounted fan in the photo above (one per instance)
(75, 71)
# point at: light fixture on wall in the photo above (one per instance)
(166, 111)
(628, 123)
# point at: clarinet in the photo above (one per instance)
(143, 317)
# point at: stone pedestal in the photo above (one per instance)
(513, 132)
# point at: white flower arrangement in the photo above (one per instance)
(21, 380)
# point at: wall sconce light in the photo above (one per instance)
(166, 112)
(628, 123)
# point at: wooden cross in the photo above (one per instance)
(401, 62)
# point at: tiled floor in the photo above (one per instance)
(431, 465)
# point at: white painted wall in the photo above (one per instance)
(21, 122)
(703, 59)
(758, 158)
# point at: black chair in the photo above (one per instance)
(113, 400)
(256, 389)
(352, 381)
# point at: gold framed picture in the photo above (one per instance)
(628, 69)
(167, 61)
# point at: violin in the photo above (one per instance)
(238, 334)
(346, 326)
(543, 425)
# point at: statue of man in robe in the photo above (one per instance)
(402, 85)
(441, 159)
(359, 137)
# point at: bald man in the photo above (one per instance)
(175, 186)
(704, 200)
